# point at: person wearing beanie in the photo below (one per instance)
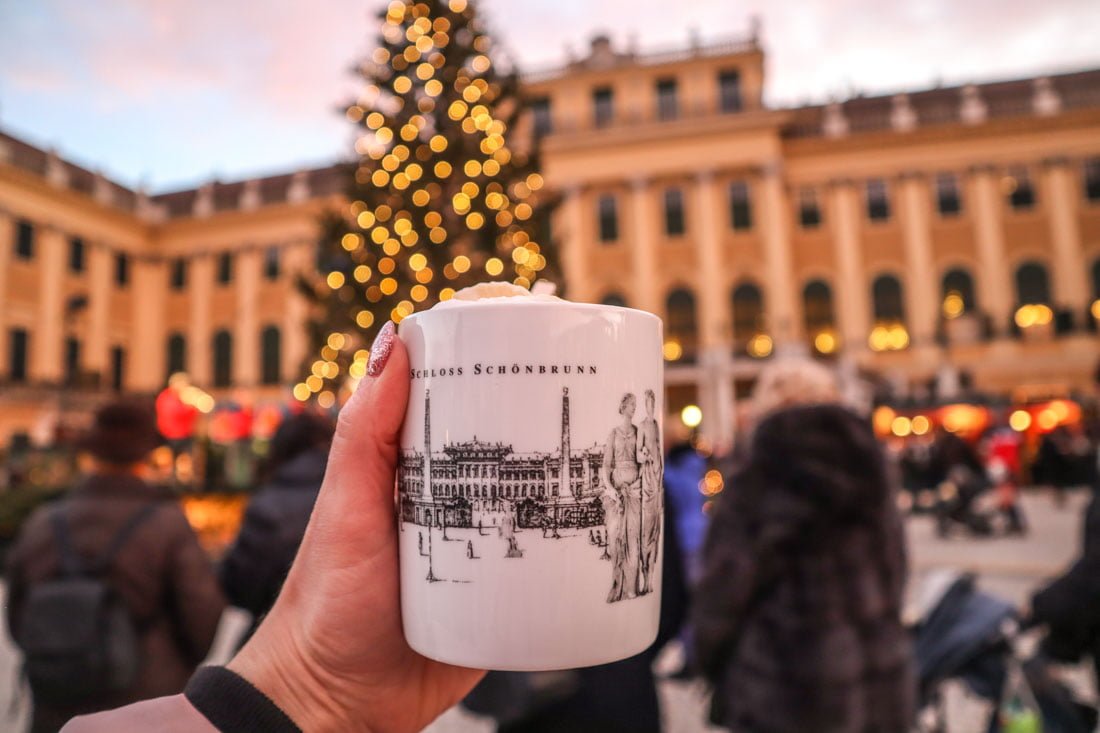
(134, 538)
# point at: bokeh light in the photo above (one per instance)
(691, 416)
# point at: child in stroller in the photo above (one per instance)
(968, 635)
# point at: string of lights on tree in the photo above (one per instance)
(439, 198)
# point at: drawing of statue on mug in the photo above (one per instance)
(651, 457)
(631, 477)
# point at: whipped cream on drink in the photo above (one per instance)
(542, 292)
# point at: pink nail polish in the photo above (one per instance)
(381, 349)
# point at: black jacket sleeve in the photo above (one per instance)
(252, 570)
(728, 583)
(1072, 602)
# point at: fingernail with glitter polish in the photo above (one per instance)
(381, 349)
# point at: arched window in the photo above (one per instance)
(608, 220)
(748, 312)
(818, 316)
(957, 293)
(271, 355)
(680, 325)
(614, 298)
(177, 353)
(817, 306)
(223, 358)
(1032, 284)
(887, 299)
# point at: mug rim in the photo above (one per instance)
(532, 304)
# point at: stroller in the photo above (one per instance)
(968, 635)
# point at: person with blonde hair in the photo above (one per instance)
(794, 381)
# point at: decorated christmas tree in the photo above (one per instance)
(446, 191)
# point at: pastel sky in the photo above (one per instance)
(166, 93)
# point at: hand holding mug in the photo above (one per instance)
(332, 653)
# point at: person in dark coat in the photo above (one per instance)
(797, 616)
(275, 522)
(1070, 605)
(161, 573)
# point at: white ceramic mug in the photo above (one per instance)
(505, 565)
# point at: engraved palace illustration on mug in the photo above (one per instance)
(479, 497)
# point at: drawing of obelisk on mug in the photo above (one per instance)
(478, 498)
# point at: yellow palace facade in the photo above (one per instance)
(903, 236)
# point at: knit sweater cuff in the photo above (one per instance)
(233, 705)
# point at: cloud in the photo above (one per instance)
(826, 47)
(280, 56)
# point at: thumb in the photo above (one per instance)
(365, 446)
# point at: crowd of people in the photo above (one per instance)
(946, 473)
(129, 536)
(789, 604)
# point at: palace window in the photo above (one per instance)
(614, 299)
(878, 201)
(603, 106)
(809, 210)
(271, 355)
(1032, 284)
(122, 270)
(824, 338)
(948, 200)
(1021, 191)
(540, 112)
(72, 360)
(76, 254)
(223, 358)
(729, 91)
(177, 353)
(887, 299)
(957, 293)
(271, 263)
(1094, 305)
(668, 106)
(1092, 179)
(1033, 298)
(680, 326)
(17, 354)
(178, 276)
(674, 212)
(740, 206)
(118, 368)
(608, 218)
(817, 306)
(24, 240)
(225, 268)
(889, 332)
(747, 301)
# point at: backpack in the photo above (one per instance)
(78, 637)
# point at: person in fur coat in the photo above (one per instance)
(798, 612)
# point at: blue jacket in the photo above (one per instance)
(684, 469)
